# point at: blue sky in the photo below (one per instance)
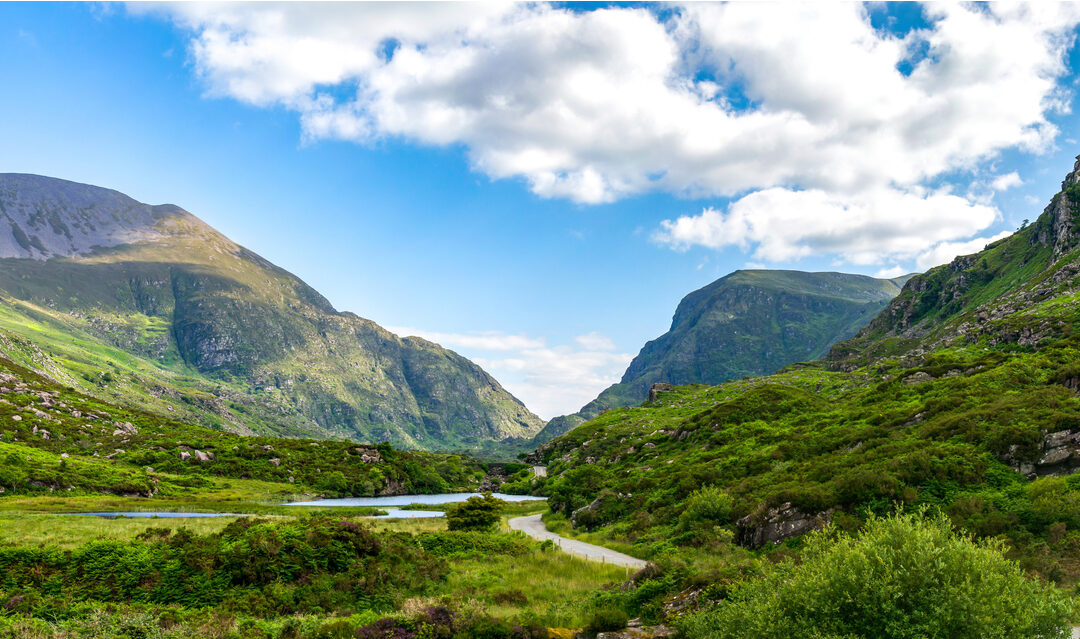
(537, 187)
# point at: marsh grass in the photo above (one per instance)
(69, 531)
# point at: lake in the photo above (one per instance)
(162, 515)
(406, 500)
(388, 503)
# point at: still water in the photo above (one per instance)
(388, 503)
(406, 500)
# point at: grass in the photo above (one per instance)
(549, 587)
(70, 531)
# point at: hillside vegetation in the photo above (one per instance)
(960, 398)
(748, 323)
(55, 440)
(150, 307)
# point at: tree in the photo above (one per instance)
(475, 513)
(904, 577)
(334, 481)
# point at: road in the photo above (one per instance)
(534, 527)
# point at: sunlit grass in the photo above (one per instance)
(68, 531)
(556, 587)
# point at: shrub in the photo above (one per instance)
(476, 513)
(708, 505)
(905, 576)
(334, 482)
(608, 620)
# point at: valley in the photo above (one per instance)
(940, 417)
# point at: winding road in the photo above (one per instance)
(534, 527)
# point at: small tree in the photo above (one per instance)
(476, 513)
(904, 577)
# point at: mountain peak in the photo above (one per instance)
(222, 335)
(43, 217)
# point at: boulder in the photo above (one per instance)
(656, 389)
(1057, 454)
(774, 525)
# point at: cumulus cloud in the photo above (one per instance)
(945, 252)
(891, 272)
(867, 228)
(1007, 181)
(483, 340)
(808, 103)
(550, 380)
(599, 104)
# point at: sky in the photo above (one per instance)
(536, 186)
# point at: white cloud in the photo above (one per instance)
(600, 104)
(482, 340)
(945, 252)
(550, 380)
(1007, 181)
(595, 342)
(891, 272)
(783, 225)
(847, 125)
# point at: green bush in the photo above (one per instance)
(254, 566)
(608, 620)
(905, 576)
(475, 513)
(708, 505)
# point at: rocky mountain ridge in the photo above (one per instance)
(748, 323)
(150, 305)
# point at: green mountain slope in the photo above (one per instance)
(1018, 290)
(149, 306)
(744, 324)
(961, 396)
(56, 440)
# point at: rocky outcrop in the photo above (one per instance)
(1058, 453)
(952, 304)
(773, 525)
(656, 389)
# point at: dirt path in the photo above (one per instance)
(534, 527)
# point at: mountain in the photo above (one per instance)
(151, 307)
(960, 397)
(1017, 290)
(748, 323)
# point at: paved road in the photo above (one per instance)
(534, 527)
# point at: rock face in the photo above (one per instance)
(41, 218)
(1057, 454)
(986, 295)
(777, 524)
(260, 350)
(748, 323)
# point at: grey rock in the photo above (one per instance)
(656, 389)
(777, 524)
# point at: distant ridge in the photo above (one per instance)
(748, 323)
